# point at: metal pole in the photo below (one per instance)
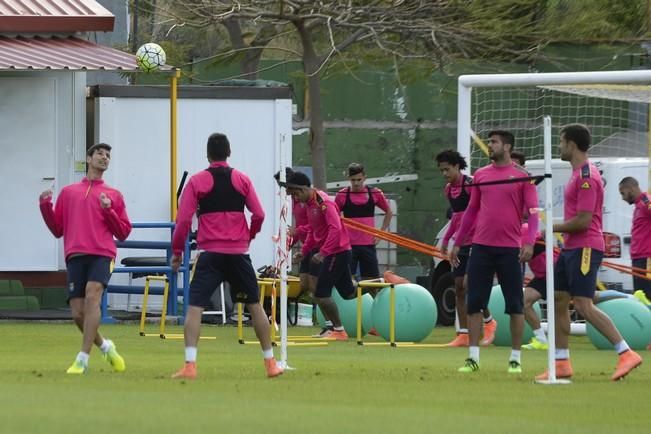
(549, 250)
(173, 132)
(463, 121)
(285, 253)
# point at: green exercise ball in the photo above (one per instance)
(503, 333)
(348, 313)
(415, 311)
(632, 319)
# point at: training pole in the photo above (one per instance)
(284, 254)
(173, 141)
(549, 253)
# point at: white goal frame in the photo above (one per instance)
(464, 137)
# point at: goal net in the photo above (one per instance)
(617, 115)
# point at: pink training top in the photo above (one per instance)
(361, 198)
(220, 232)
(537, 263)
(585, 192)
(86, 227)
(496, 210)
(455, 192)
(299, 210)
(327, 233)
(641, 231)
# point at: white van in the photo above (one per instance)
(617, 216)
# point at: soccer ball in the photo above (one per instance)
(150, 57)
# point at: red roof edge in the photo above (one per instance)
(32, 24)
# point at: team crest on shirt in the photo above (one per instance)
(321, 203)
(585, 185)
(646, 201)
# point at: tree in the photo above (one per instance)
(252, 51)
(436, 32)
(597, 20)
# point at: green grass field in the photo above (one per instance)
(342, 388)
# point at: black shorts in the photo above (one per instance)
(540, 285)
(87, 268)
(638, 282)
(334, 271)
(463, 255)
(304, 266)
(366, 258)
(483, 264)
(569, 275)
(215, 268)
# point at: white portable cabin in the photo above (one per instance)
(44, 58)
(135, 120)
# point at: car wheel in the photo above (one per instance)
(443, 293)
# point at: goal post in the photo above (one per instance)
(533, 106)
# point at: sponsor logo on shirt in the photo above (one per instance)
(585, 186)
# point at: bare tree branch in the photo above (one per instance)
(437, 31)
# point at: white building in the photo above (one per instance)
(43, 119)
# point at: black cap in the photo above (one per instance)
(288, 174)
(297, 179)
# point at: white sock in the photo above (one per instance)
(339, 329)
(621, 347)
(328, 324)
(515, 356)
(83, 357)
(488, 319)
(562, 354)
(268, 354)
(190, 354)
(473, 353)
(462, 331)
(106, 345)
(540, 335)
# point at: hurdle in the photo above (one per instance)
(392, 311)
(415, 345)
(296, 339)
(143, 313)
(392, 314)
(161, 330)
(292, 340)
